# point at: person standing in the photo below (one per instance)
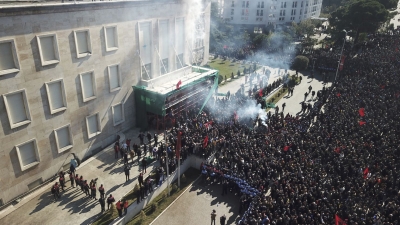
(101, 191)
(128, 144)
(102, 203)
(222, 220)
(119, 208)
(305, 96)
(110, 201)
(126, 205)
(155, 139)
(141, 137)
(127, 173)
(93, 191)
(125, 157)
(224, 188)
(71, 179)
(55, 190)
(77, 180)
(116, 150)
(62, 182)
(138, 196)
(144, 164)
(139, 154)
(283, 106)
(140, 179)
(86, 188)
(213, 216)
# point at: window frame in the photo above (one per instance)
(71, 139)
(88, 41)
(17, 147)
(123, 113)
(64, 96)
(15, 58)
(55, 48)
(119, 77)
(98, 125)
(94, 86)
(26, 106)
(110, 49)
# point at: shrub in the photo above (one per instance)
(154, 206)
(220, 78)
(300, 63)
(142, 215)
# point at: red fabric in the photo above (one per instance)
(362, 112)
(208, 124)
(338, 94)
(337, 150)
(286, 148)
(365, 173)
(342, 62)
(205, 142)
(260, 93)
(178, 145)
(178, 85)
(339, 221)
(362, 123)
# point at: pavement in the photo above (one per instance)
(74, 207)
(196, 204)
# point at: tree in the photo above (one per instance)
(359, 16)
(389, 4)
(261, 40)
(300, 63)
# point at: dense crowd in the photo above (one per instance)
(342, 160)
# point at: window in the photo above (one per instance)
(146, 71)
(233, 4)
(48, 49)
(294, 5)
(258, 4)
(272, 7)
(291, 18)
(247, 4)
(301, 11)
(243, 4)
(301, 4)
(306, 3)
(114, 77)
(283, 4)
(56, 96)
(231, 18)
(111, 38)
(258, 12)
(305, 11)
(9, 62)
(88, 85)
(82, 43)
(28, 154)
(282, 13)
(262, 4)
(118, 114)
(314, 8)
(315, 2)
(293, 12)
(93, 125)
(164, 66)
(17, 108)
(64, 138)
(261, 13)
(232, 11)
(243, 12)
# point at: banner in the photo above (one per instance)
(205, 142)
(365, 173)
(178, 85)
(362, 123)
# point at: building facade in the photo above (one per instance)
(258, 13)
(67, 71)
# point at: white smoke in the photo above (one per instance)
(252, 110)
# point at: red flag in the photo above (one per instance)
(362, 123)
(286, 148)
(338, 94)
(178, 85)
(337, 150)
(260, 93)
(361, 111)
(205, 142)
(178, 145)
(342, 62)
(366, 171)
(208, 124)
(339, 221)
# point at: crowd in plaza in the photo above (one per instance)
(340, 162)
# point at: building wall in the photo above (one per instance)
(22, 25)
(245, 12)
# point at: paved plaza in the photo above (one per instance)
(196, 204)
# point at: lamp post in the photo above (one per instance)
(340, 57)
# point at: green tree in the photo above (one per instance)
(389, 4)
(238, 73)
(300, 63)
(261, 40)
(359, 16)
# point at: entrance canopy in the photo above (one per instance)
(171, 92)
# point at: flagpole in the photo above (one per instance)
(179, 171)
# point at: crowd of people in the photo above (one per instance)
(339, 162)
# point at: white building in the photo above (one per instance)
(67, 71)
(259, 14)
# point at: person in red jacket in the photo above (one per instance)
(110, 201)
(119, 207)
(126, 205)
